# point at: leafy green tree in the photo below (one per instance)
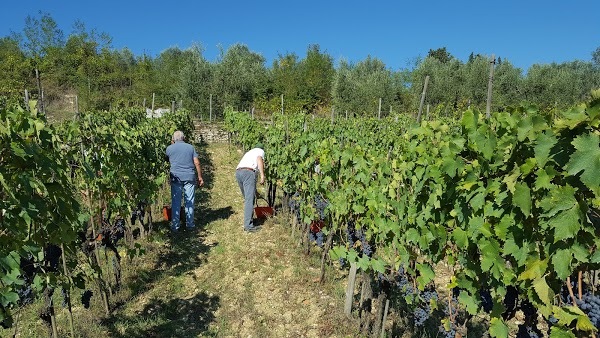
(195, 81)
(14, 67)
(596, 57)
(358, 88)
(240, 77)
(316, 75)
(441, 54)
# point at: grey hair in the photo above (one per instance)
(178, 136)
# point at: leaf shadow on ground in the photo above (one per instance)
(167, 318)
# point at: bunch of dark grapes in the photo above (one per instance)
(25, 294)
(321, 205)
(590, 305)
(294, 204)
(528, 331)
(86, 296)
(351, 232)
(423, 311)
(51, 257)
(139, 212)
(118, 230)
(367, 250)
(486, 300)
(510, 302)
(316, 237)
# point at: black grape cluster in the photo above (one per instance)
(294, 205)
(321, 204)
(486, 300)
(51, 257)
(528, 331)
(138, 213)
(423, 311)
(118, 230)
(367, 250)
(353, 235)
(28, 271)
(86, 296)
(317, 238)
(590, 305)
(511, 301)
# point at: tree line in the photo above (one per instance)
(84, 64)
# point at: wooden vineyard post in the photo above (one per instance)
(210, 108)
(350, 290)
(252, 113)
(67, 292)
(332, 115)
(427, 113)
(281, 104)
(41, 96)
(153, 96)
(488, 107)
(422, 99)
(379, 110)
(144, 103)
(26, 100)
(385, 313)
(172, 106)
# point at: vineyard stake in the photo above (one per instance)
(489, 92)
(153, 104)
(422, 99)
(26, 100)
(41, 98)
(68, 293)
(350, 290)
(379, 113)
(210, 108)
(385, 313)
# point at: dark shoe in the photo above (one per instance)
(253, 229)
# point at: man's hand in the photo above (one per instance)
(200, 181)
(262, 179)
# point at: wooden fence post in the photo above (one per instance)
(488, 107)
(422, 99)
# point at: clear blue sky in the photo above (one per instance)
(524, 32)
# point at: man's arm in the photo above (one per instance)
(199, 170)
(261, 168)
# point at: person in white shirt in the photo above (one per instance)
(246, 173)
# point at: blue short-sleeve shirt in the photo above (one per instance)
(181, 157)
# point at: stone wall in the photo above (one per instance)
(209, 132)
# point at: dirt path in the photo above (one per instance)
(260, 283)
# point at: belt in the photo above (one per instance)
(245, 168)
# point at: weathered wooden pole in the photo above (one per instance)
(422, 99)
(379, 110)
(488, 107)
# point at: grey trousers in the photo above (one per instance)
(247, 181)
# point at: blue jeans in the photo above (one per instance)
(178, 189)
(247, 181)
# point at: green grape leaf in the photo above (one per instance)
(543, 147)
(543, 290)
(562, 263)
(498, 328)
(566, 224)
(522, 198)
(586, 159)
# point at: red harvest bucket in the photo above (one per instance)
(263, 212)
(167, 213)
(316, 226)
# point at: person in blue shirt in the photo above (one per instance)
(185, 173)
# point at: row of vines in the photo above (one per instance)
(509, 205)
(71, 196)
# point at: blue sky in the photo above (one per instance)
(397, 32)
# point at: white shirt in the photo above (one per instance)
(249, 160)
